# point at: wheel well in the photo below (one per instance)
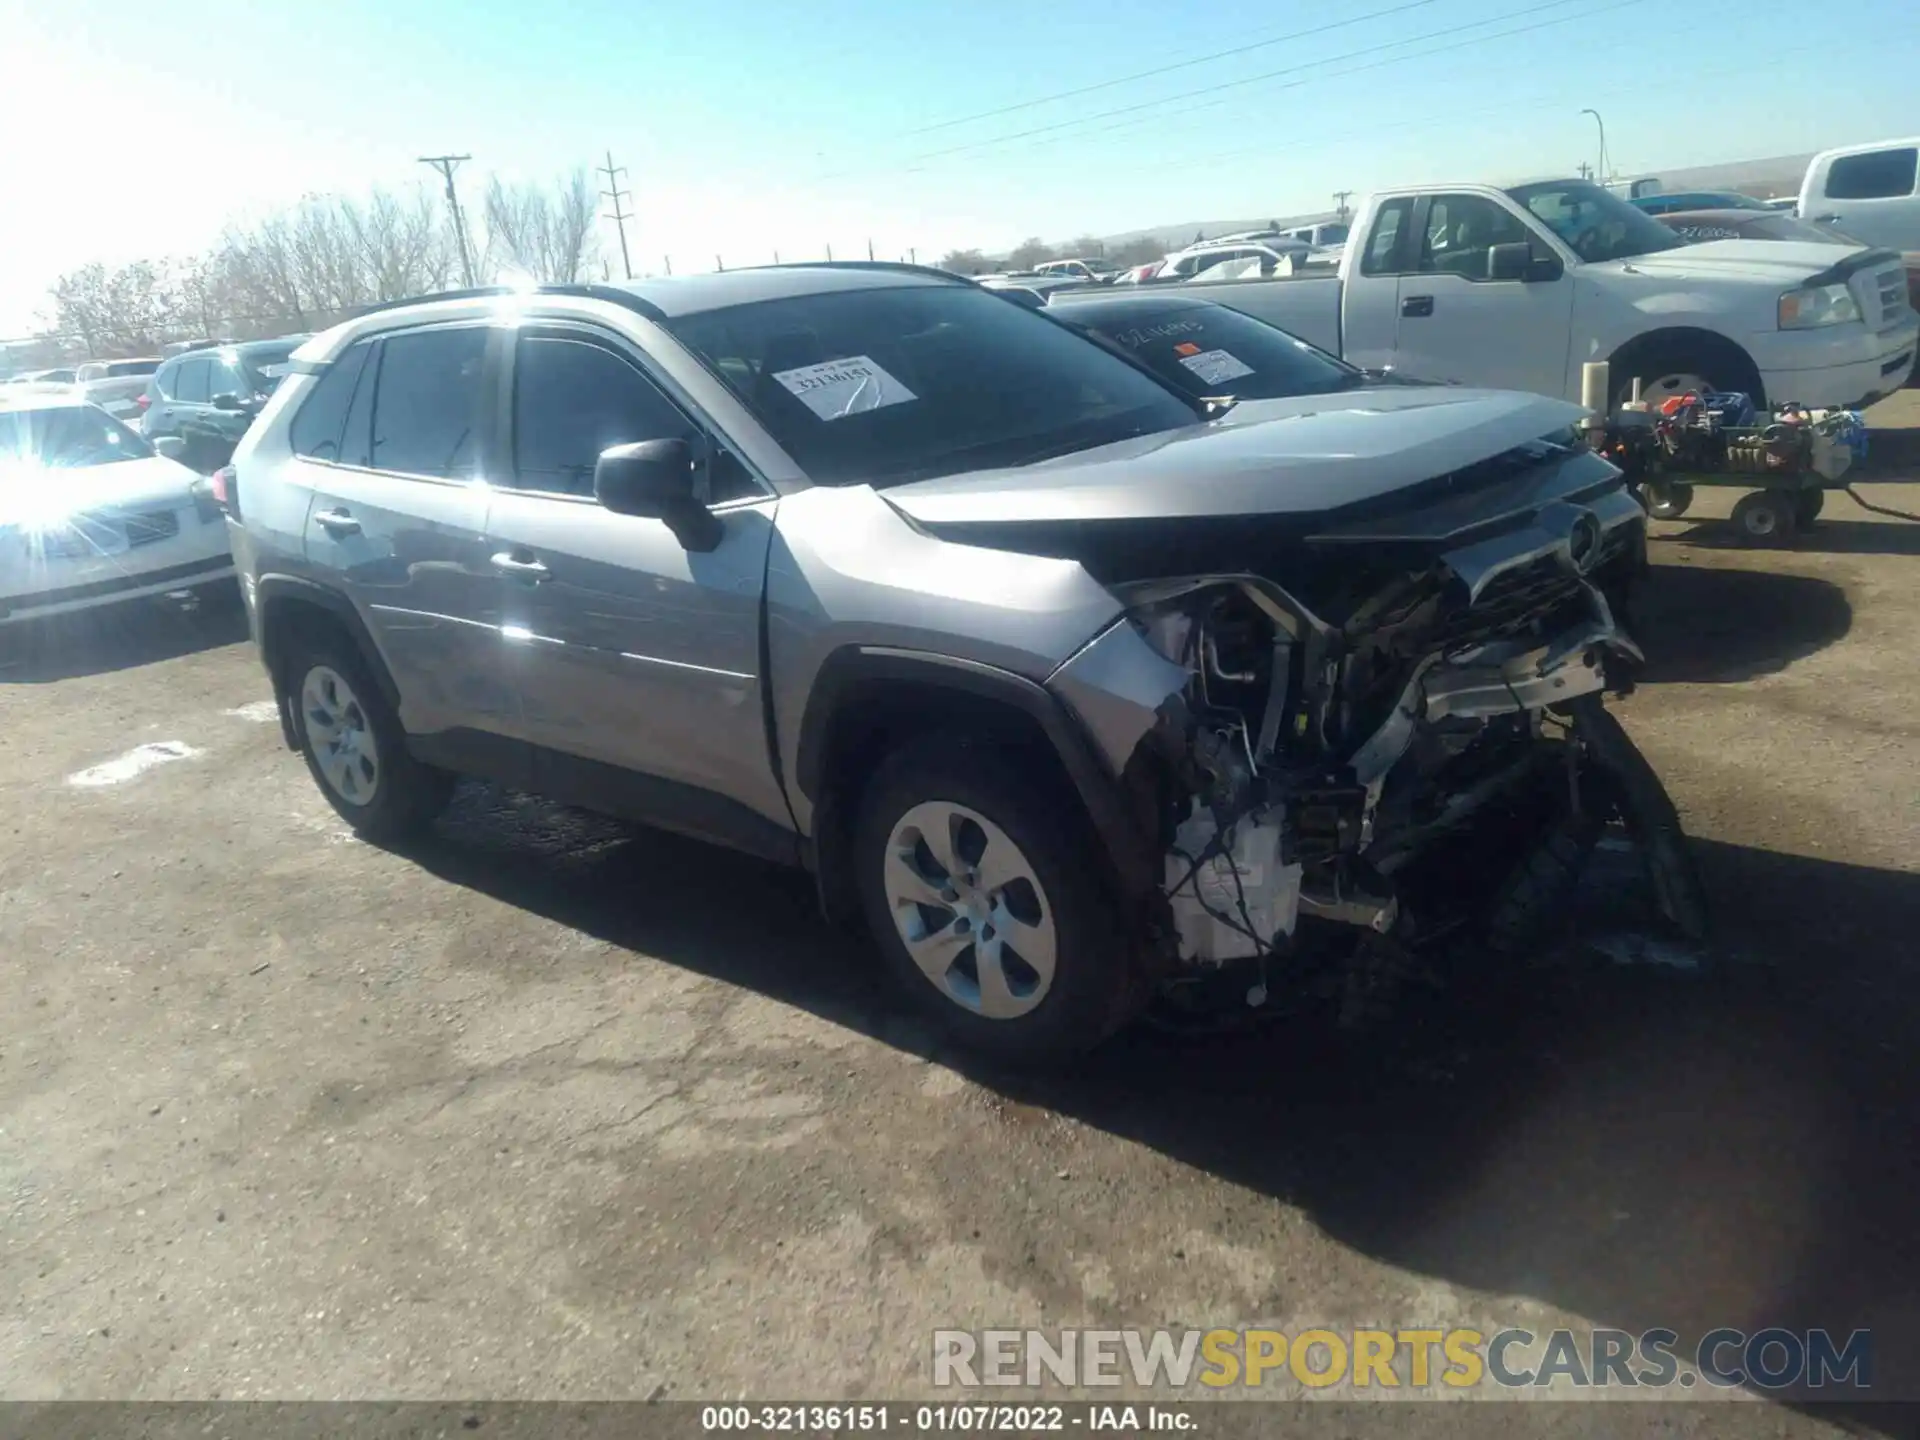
(288, 619)
(874, 718)
(1653, 348)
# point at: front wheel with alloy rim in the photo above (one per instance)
(355, 748)
(988, 905)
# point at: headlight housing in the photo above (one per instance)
(1816, 306)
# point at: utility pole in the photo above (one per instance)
(1586, 171)
(444, 164)
(1603, 142)
(619, 216)
(1340, 201)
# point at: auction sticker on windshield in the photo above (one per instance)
(1215, 366)
(835, 389)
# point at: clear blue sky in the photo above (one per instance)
(753, 126)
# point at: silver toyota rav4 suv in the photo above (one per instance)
(1081, 692)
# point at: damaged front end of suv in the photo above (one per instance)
(1373, 725)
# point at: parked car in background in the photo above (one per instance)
(1072, 689)
(1185, 264)
(1667, 203)
(116, 386)
(1871, 192)
(1321, 236)
(1098, 271)
(1137, 274)
(1518, 287)
(1209, 350)
(207, 398)
(90, 515)
(62, 376)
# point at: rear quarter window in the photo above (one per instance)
(322, 416)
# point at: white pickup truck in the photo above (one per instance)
(1518, 288)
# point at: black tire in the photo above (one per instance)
(1094, 987)
(1652, 821)
(1767, 517)
(404, 795)
(1668, 499)
(1807, 506)
(1722, 367)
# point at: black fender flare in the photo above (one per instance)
(845, 671)
(274, 592)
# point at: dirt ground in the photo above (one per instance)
(548, 1109)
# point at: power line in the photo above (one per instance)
(445, 165)
(619, 216)
(1169, 69)
(1262, 78)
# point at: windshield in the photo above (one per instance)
(884, 386)
(1695, 229)
(66, 437)
(1209, 350)
(1595, 224)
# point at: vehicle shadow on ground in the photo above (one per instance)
(1636, 1146)
(120, 637)
(1838, 536)
(1718, 625)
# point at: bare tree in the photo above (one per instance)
(965, 262)
(118, 311)
(546, 235)
(1029, 253)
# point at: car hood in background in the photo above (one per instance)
(1302, 456)
(126, 484)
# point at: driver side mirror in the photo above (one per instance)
(654, 479)
(170, 447)
(228, 401)
(1516, 260)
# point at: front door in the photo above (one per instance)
(399, 514)
(1455, 324)
(640, 666)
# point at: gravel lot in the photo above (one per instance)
(551, 1109)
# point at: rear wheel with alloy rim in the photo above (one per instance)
(989, 903)
(354, 746)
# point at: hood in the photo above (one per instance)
(1303, 456)
(152, 481)
(1786, 263)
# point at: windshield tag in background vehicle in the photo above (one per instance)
(1214, 366)
(835, 389)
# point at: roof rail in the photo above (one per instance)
(613, 294)
(932, 271)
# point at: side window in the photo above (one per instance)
(572, 399)
(427, 402)
(1461, 229)
(190, 382)
(322, 416)
(226, 380)
(1878, 175)
(1384, 245)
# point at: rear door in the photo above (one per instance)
(398, 518)
(1456, 324)
(184, 414)
(641, 671)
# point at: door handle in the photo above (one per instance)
(1415, 306)
(507, 563)
(1825, 219)
(337, 522)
